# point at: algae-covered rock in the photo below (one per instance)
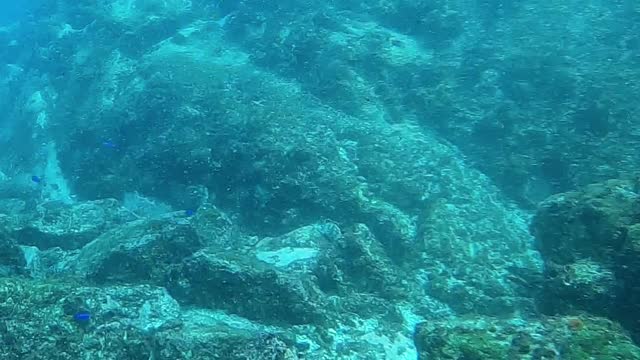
(141, 250)
(597, 338)
(12, 259)
(367, 267)
(582, 285)
(247, 287)
(298, 250)
(216, 228)
(56, 224)
(68, 321)
(76, 317)
(482, 338)
(471, 262)
(588, 223)
(589, 240)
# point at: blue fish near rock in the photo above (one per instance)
(82, 317)
(38, 180)
(189, 212)
(109, 144)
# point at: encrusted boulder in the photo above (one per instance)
(71, 311)
(592, 222)
(68, 227)
(589, 241)
(471, 250)
(216, 228)
(352, 259)
(299, 251)
(141, 250)
(581, 285)
(12, 259)
(124, 322)
(367, 267)
(569, 338)
(240, 285)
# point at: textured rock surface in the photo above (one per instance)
(142, 250)
(12, 260)
(243, 287)
(127, 322)
(570, 338)
(344, 170)
(526, 108)
(589, 242)
(589, 223)
(70, 226)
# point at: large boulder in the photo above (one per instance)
(55, 224)
(135, 322)
(247, 287)
(589, 240)
(570, 338)
(139, 251)
(592, 222)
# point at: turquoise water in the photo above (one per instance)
(14, 11)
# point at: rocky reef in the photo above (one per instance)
(319, 180)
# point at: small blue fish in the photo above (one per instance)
(39, 180)
(189, 212)
(82, 317)
(109, 144)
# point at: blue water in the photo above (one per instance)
(11, 11)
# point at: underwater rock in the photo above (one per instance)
(125, 322)
(581, 285)
(588, 223)
(568, 338)
(299, 250)
(471, 249)
(478, 290)
(141, 250)
(28, 307)
(394, 230)
(589, 240)
(216, 228)
(69, 227)
(366, 267)
(50, 263)
(388, 67)
(342, 263)
(246, 287)
(235, 338)
(12, 259)
(275, 172)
